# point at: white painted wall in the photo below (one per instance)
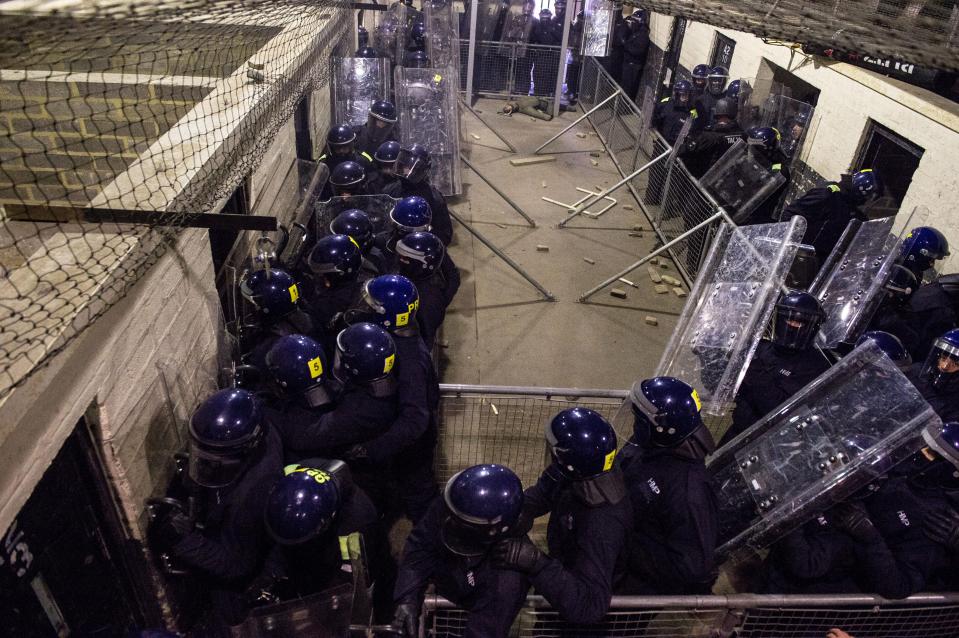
(849, 98)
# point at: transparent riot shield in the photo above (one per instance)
(759, 103)
(390, 35)
(741, 180)
(428, 115)
(357, 83)
(378, 207)
(728, 309)
(598, 31)
(517, 27)
(322, 615)
(839, 433)
(442, 33)
(487, 15)
(850, 283)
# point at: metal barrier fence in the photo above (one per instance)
(507, 69)
(742, 616)
(669, 195)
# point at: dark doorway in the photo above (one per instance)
(221, 241)
(66, 565)
(784, 82)
(892, 156)
(301, 122)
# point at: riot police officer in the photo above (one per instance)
(671, 114)
(422, 258)
(794, 134)
(380, 127)
(334, 264)
(276, 297)
(364, 50)
(704, 149)
(829, 209)
(715, 91)
(933, 307)
(590, 514)
(937, 379)
(890, 345)
(700, 75)
(450, 547)
(347, 179)
(764, 142)
(675, 511)
(922, 248)
(782, 366)
(894, 314)
(413, 170)
(634, 41)
(410, 441)
(234, 457)
(341, 147)
(383, 174)
(356, 224)
(938, 487)
(409, 215)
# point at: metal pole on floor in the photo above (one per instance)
(502, 139)
(471, 57)
(516, 207)
(561, 67)
(592, 291)
(499, 253)
(592, 199)
(577, 121)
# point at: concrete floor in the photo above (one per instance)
(500, 330)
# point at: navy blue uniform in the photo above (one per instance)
(297, 322)
(324, 304)
(232, 546)
(701, 151)
(442, 223)
(827, 211)
(410, 441)
(934, 314)
(817, 558)
(765, 213)
(586, 545)
(669, 120)
(368, 143)
(378, 182)
(364, 159)
(774, 375)
(675, 523)
(898, 319)
(436, 294)
(635, 45)
(492, 596)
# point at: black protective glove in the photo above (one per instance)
(852, 518)
(519, 554)
(941, 525)
(523, 524)
(406, 619)
(356, 453)
(172, 527)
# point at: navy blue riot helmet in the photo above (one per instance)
(354, 223)
(394, 301)
(413, 164)
(417, 37)
(365, 353)
(700, 75)
(484, 503)
(582, 443)
(665, 412)
(937, 466)
(336, 258)
(347, 178)
(366, 51)
(273, 291)
(923, 247)
(796, 320)
(682, 93)
(420, 254)
(890, 344)
(901, 284)
(340, 139)
(297, 364)
(411, 214)
(941, 368)
(416, 60)
(386, 154)
(865, 184)
(734, 89)
(225, 431)
(383, 110)
(764, 137)
(303, 503)
(716, 82)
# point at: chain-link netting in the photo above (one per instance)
(923, 616)
(922, 32)
(504, 69)
(118, 123)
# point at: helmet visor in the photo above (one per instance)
(795, 329)
(217, 468)
(466, 539)
(409, 166)
(941, 368)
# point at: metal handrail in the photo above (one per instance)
(577, 393)
(739, 601)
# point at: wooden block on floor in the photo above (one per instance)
(534, 159)
(664, 265)
(661, 289)
(654, 261)
(653, 321)
(654, 275)
(589, 261)
(628, 207)
(679, 291)
(542, 249)
(581, 136)
(616, 292)
(672, 281)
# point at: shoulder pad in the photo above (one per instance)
(694, 113)
(833, 187)
(777, 167)
(366, 155)
(665, 99)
